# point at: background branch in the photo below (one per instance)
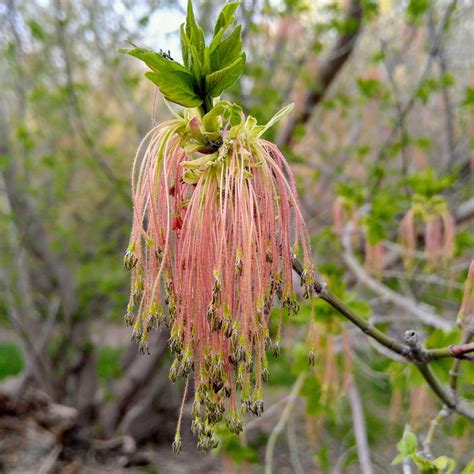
(360, 430)
(411, 351)
(282, 422)
(402, 302)
(327, 73)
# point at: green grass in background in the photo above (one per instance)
(11, 359)
(12, 362)
(108, 366)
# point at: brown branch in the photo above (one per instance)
(328, 72)
(446, 96)
(78, 122)
(409, 305)
(399, 107)
(459, 351)
(454, 372)
(410, 349)
(324, 293)
(134, 380)
(418, 356)
(31, 230)
(360, 429)
(435, 422)
(435, 44)
(286, 413)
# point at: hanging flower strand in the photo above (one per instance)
(216, 225)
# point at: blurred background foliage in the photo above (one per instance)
(393, 128)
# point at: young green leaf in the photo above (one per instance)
(469, 469)
(445, 464)
(227, 51)
(211, 120)
(424, 465)
(406, 447)
(155, 61)
(176, 87)
(196, 63)
(399, 458)
(185, 45)
(226, 17)
(408, 443)
(219, 80)
(194, 32)
(278, 116)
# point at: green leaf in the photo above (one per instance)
(185, 46)
(11, 359)
(194, 32)
(426, 89)
(417, 8)
(370, 88)
(408, 444)
(36, 31)
(445, 464)
(177, 87)
(252, 126)
(196, 63)
(175, 82)
(398, 459)
(219, 80)
(227, 51)
(468, 97)
(469, 469)
(144, 20)
(211, 120)
(278, 116)
(424, 465)
(155, 61)
(226, 18)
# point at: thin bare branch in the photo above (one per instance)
(435, 44)
(411, 350)
(282, 422)
(327, 73)
(402, 302)
(360, 430)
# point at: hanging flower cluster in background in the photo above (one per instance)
(438, 233)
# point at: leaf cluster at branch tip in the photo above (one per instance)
(207, 70)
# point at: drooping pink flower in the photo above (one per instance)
(215, 229)
(338, 215)
(467, 304)
(407, 236)
(433, 241)
(448, 236)
(343, 212)
(439, 235)
(374, 258)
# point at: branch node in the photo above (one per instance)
(411, 338)
(322, 289)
